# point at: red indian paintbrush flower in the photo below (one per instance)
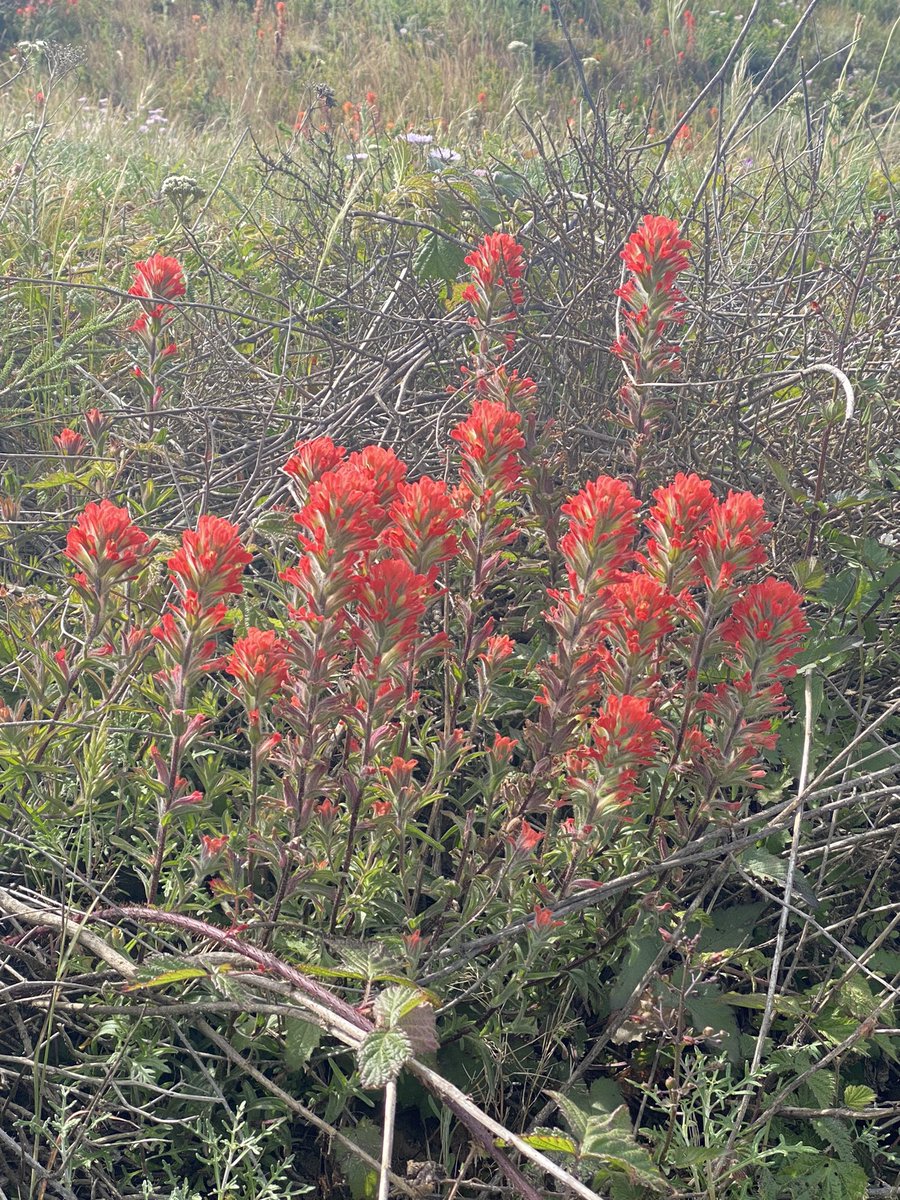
(158, 280)
(655, 255)
(258, 662)
(732, 542)
(766, 627)
(489, 441)
(384, 468)
(655, 252)
(497, 263)
(70, 443)
(422, 524)
(601, 531)
(311, 459)
(623, 739)
(106, 547)
(643, 615)
(342, 514)
(390, 602)
(210, 561)
(680, 511)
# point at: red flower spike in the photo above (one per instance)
(258, 662)
(601, 531)
(497, 650)
(502, 749)
(644, 617)
(106, 547)
(399, 773)
(526, 840)
(70, 444)
(342, 515)
(680, 511)
(158, 281)
(385, 470)
(422, 529)
(312, 459)
(210, 561)
(543, 918)
(731, 544)
(767, 627)
(489, 441)
(96, 423)
(497, 263)
(656, 251)
(390, 602)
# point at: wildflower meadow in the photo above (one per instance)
(449, 712)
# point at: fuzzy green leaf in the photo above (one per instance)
(438, 258)
(857, 1096)
(381, 1056)
(300, 1039)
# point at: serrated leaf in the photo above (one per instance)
(167, 969)
(837, 1135)
(381, 1056)
(300, 1039)
(857, 1096)
(394, 1003)
(362, 1181)
(602, 1138)
(576, 1118)
(763, 865)
(551, 1140)
(438, 257)
(821, 1084)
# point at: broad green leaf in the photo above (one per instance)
(362, 1180)
(300, 1039)
(640, 955)
(381, 1056)
(857, 1096)
(393, 1004)
(552, 1141)
(438, 258)
(602, 1138)
(763, 865)
(821, 1084)
(165, 969)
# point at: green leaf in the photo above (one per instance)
(166, 969)
(837, 1135)
(603, 1139)
(640, 955)
(708, 1009)
(393, 1004)
(362, 1181)
(821, 1084)
(857, 1096)
(300, 1039)
(552, 1141)
(438, 258)
(381, 1056)
(763, 865)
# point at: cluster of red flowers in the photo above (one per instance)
(108, 549)
(72, 445)
(204, 570)
(495, 292)
(654, 256)
(666, 660)
(158, 281)
(631, 618)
